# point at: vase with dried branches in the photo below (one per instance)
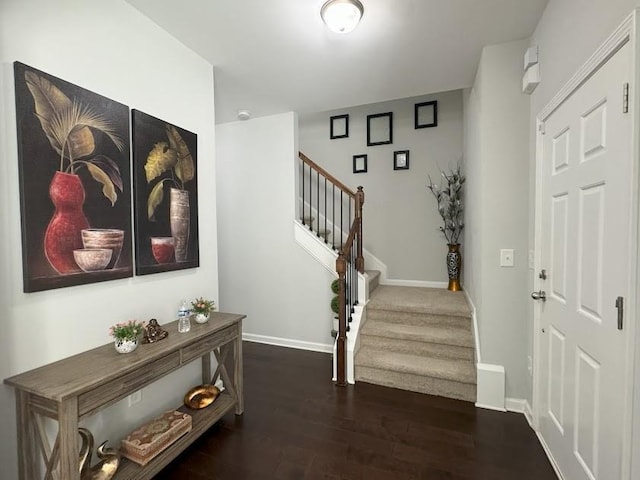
(449, 197)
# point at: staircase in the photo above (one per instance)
(418, 339)
(411, 338)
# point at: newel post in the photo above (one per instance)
(341, 364)
(359, 203)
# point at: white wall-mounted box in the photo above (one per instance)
(531, 79)
(531, 56)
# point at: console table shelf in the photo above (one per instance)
(83, 384)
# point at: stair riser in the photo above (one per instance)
(373, 283)
(419, 319)
(417, 383)
(417, 348)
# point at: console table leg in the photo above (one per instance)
(206, 368)
(238, 372)
(68, 434)
(28, 459)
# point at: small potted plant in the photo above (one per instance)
(126, 335)
(202, 308)
(335, 307)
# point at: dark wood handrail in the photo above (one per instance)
(326, 175)
(355, 230)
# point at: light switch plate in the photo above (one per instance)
(506, 257)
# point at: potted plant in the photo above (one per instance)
(202, 308)
(335, 307)
(126, 335)
(449, 197)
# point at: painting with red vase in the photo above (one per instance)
(166, 195)
(75, 188)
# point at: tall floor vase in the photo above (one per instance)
(454, 264)
(180, 217)
(63, 235)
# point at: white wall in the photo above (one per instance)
(263, 271)
(400, 218)
(111, 49)
(496, 151)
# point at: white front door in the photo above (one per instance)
(585, 220)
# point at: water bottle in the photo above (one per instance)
(184, 318)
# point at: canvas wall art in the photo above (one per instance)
(166, 195)
(75, 188)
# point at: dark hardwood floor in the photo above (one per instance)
(298, 425)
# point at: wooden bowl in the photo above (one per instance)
(201, 396)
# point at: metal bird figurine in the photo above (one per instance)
(103, 470)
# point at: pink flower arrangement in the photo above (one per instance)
(130, 329)
(200, 305)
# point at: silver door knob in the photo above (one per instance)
(541, 295)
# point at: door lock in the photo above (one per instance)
(540, 295)
(543, 274)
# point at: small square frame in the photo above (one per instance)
(426, 114)
(401, 160)
(360, 163)
(339, 126)
(380, 129)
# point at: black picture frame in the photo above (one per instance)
(90, 183)
(401, 160)
(360, 163)
(380, 129)
(339, 126)
(165, 198)
(426, 114)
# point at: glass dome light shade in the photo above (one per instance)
(342, 16)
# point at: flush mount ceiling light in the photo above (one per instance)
(342, 16)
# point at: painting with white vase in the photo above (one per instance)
(166, 195)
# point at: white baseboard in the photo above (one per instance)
(554, 465)
(288, 342)
(528, 414)
(516, 405)
(490, 387)
(413, 283)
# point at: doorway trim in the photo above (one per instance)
(625, 33)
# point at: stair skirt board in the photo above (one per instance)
(417, 383)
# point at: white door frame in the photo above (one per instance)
(625, 33)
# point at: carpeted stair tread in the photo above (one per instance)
(419, 300)
(424, 319)
(437, 350)
(430, 334)
(417, 383)
(459, 371)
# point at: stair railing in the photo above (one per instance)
(327, 206)
(334, 203)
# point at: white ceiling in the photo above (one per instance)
(273, 56)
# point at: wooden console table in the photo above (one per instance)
(75, 387)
